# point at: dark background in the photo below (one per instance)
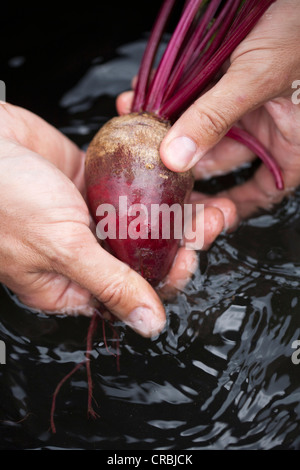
(58, 45)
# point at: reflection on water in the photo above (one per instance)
(219, 377)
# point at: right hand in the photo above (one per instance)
(256, 92)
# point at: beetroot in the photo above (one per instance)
(123, 160)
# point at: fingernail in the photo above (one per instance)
(181, 152)
(144, 322)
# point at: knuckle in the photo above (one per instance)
(115, 290)
(59, 254)
(213, 123)
(64, 245)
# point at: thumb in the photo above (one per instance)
(120, 289)
(209, 118)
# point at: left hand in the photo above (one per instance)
(48, 255)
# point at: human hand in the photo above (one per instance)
(49, 256)
(255, 92)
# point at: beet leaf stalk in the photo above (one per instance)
(150, 53)
(206, 35)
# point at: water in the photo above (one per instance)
(220, 376)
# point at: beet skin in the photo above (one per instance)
(123, 160)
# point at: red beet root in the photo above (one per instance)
(123, 160)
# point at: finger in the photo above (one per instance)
(186, 261)
(283, 136)
(261, 192)
(225, 205)
(124, 102)
(210, 222)
(228, 155)
(51, 293)
(122, 291)
(204, 124)
(184, 266)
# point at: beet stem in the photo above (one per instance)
(189, 50)
(104, 338)
(159, 82)
(91, 331)
(242, 136)
(184, 96)
(245, 9)
(149, 55)
(56, 392)
(223, 21)
(117, 355)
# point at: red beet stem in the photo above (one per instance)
(58, 387)
(149, 55)
(185, 95)
(89, 346)
(202, 55)
(159, 82)
(244, 10)
(222, 21)
(117, 340)
(189, 49)
(258, 148)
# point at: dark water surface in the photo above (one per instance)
(220, 376)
